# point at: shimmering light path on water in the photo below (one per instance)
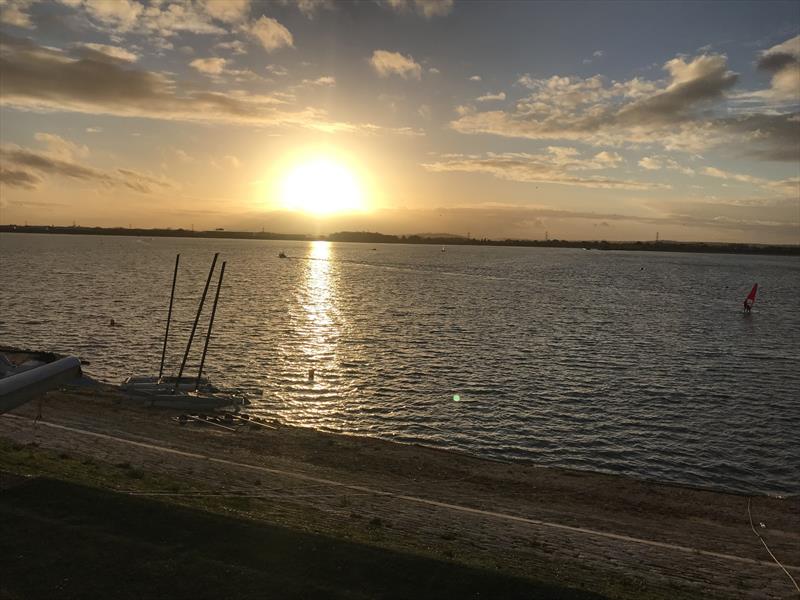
(638, 363)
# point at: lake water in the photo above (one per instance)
(623, 362)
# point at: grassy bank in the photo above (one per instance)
(76, 540)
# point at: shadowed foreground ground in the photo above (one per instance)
(252, 511)
(68, 541)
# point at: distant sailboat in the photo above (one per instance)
(751, 298)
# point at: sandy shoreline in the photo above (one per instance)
(613, 535)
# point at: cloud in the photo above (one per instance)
(160, 18)
(235, 46)
(424, 8)
(181, 155)
(227, 162)
(276, 70)
(120, 14)
(325, 81)
(685, 112)
(14, 12)
(19, 178)
(270, 33)
(475, 78)
(209, 66)
(595, 54)
(45, 79)
(434, 71)
(309, 8)
(700, 81)
(783, 62)
(228, 11)
(655, 163)
(112, 52)
(388, 63)
(786, 187)
(37, 78)
(59, 148)
(29, 166)
(560, 165)
(490, 97)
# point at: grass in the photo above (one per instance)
(77, 539)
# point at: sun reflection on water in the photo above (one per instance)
(318, 326)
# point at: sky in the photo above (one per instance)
(572, 120)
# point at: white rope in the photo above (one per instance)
(758, 535)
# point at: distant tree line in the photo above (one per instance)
(368, 237)
(659, 246)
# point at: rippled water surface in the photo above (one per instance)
(637, 363)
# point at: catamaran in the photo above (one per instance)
(185, 392)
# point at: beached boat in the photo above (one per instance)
(185, 392)
(188, 399)
(25, 375)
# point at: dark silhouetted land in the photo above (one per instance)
(367, 237)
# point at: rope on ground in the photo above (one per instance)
(758, 535)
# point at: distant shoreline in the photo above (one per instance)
(379, 238)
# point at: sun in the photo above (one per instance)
(321, 186)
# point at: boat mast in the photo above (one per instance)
(210, 325)
(169, 317)
(194, 326)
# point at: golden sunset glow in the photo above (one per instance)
(321, 186)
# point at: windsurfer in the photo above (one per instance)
(751, 299)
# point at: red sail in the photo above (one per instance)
(751, 297)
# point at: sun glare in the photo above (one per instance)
(321, 187)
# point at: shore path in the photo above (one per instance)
(617, 536)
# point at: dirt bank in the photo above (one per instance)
(612, 535)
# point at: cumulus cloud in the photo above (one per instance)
(14, 12)
(559, 165)
(228, 11)
(475, 78)
(388, 63)
(209, 66)
(425, 8)
(271, 34)
(29, 167)
(490, 97)
(783, 63)
(120, 14)
(685, 112)
(158, 19)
